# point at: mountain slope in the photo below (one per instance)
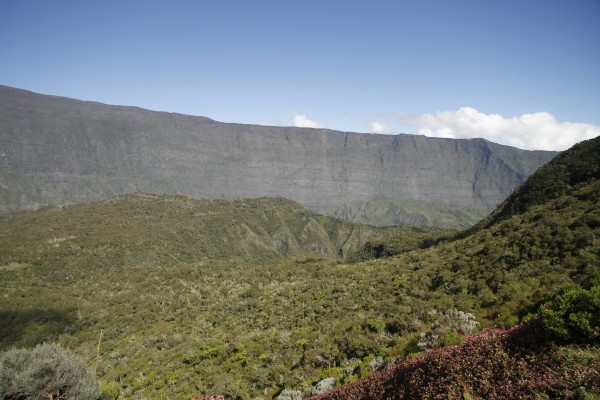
(388, 212)
(569, 170)
(56, 151)
(543, 236)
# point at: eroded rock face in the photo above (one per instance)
(55, 150)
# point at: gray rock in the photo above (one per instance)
(56, 151)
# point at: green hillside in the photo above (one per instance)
(387, 212)
(565, 174)
(149, 229)
(245, 299)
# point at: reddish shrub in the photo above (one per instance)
(494, 364)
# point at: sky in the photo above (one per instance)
(524, 73)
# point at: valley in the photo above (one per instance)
(259, 298)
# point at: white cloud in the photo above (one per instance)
(301, 121)
(537, 131)
(269, 123)
(378, 127)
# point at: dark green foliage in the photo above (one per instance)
(452, 339)
(573, 314)
(47, 371)
(567, 172)
(411, 239)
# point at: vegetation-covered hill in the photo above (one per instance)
(145, 228)
(202, 323)
(389, 212)
(545, 234)
(566, 173)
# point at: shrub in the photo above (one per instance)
(47, 371)
(494, 364)
(573, 314)
(287, 394)
(109, 391)
(452, 339)
(445, 330)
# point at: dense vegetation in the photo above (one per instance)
(496, 364)
(231, 312)
(569, 170)
(145, 228)
(387, 212)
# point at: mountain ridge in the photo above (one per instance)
(55, 150)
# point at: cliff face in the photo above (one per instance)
(56, 150)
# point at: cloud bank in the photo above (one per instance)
(378, 127)
(302, 121)
(537, 131)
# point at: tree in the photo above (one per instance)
(47, 371)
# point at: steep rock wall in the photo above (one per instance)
(55, 150)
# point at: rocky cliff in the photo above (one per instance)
(55, 150)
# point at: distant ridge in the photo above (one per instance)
(56, 151)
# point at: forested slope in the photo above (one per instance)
(541, 245)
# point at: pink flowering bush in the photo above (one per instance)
(494, 364)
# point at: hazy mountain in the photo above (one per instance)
(55, 151)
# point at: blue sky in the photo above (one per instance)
(524, 73)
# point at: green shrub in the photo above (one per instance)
(331, 373)
(109, 390)
(573, 314)
(452, 339)
(47, 371)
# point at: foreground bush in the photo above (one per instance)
(47, 371)
(574, 314)
(495, 364)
